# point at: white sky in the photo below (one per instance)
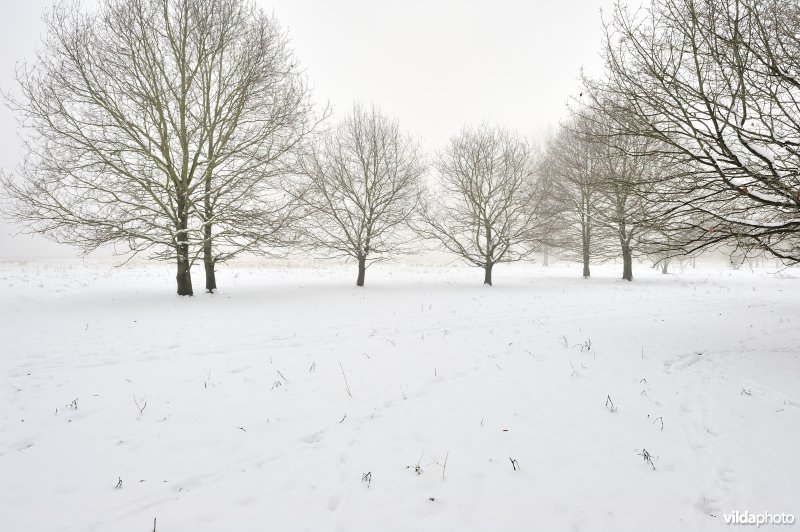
(435, 65)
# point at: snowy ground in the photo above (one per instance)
(249, 425)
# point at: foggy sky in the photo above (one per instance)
(435, 65)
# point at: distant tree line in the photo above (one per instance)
(184, 130)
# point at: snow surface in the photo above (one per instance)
(248, 423)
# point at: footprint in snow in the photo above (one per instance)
(333, 502)
(314, 437)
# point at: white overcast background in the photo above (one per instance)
(435, 65)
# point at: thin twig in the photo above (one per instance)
(610, 404)
(140, 406)
(647, 458)
(346, 385)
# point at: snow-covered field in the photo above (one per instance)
(268, 402)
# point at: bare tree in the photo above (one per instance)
(625, 205)
(715, 85)
(255, 111)
(361, 185)
(156, 125)
(484, 206)
(630, 174)
(571, 167)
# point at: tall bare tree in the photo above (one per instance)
(361, 185)
(157, 125)
(485, 206)
(630, 174)
(571, 167)
(255, 111)
(625, 197)
(715, 85)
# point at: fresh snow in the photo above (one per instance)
(267, 402)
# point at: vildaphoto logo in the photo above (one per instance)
(763, 518)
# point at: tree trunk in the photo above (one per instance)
(487, 276)
(586, 272)
(208, 260)
(362, 271)
(545, 258)
(627, 264)
(208, 250)
(586, 246)
(664, 267)
(184, 276)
